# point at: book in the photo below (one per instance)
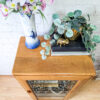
(76, 47)
(69, 53)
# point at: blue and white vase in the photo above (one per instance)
(31, 39)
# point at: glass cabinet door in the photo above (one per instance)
(51, 88)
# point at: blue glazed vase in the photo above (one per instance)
(31, 39)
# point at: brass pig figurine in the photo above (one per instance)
(62, 41)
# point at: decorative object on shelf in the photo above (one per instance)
(27, 10)
(62, 41)
(73, 29)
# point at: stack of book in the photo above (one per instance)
(73, 48)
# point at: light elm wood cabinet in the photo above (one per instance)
(56, 78)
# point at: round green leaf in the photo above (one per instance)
(42, 52)
(44, 57)
(55, 16)
(57, 22)
(47, 52)
(43, 44)
(56, 36)
(46, 36)
(93, 27)
(77, 13)
(96, 38)
(3, 2)
(52, 42)
(48, 48)
(61, 29)
(51, 31)
(66, 18)
(69, 33)
(70, 14)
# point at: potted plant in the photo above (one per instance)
(27, 10)
(68, 29)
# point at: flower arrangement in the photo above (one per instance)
(27, 7)
(27, 10)
(70, 27)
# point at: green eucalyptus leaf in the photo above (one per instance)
(3, 2)
(51, 31)
(43, 44)
(52, 42)
(96, 38)
(70, 14)
(48, 48)
(47, 53)
(69, 33)
(76, 28)
(66, 18)
(44, 57)
(93, 27)
(56, 36)
(42, 52)
(46, 36)
(62, 26)
(88, 17)
(81, 20)
(55, 16)
(60, 30)
(77, 13)
(57, 22)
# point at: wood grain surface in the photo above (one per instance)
(29, 62)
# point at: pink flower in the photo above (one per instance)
(0, 5)
(43, 6)
(44, 3)
(4, 10)
(26, 9)
(51, 1)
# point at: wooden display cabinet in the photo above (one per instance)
(55, 78)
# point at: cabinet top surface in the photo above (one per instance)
(29, 62)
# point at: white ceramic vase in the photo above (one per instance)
(31, 39)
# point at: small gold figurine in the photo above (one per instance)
(62, 41)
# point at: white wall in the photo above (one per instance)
(11, 29)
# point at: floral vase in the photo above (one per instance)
(31, 39)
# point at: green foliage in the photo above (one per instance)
(52, 41)
(77, 13)
(93, 27)
(70, 14)
(57, 22)
(55, 16)
(3, 2)
(52, 29)
(66, 18)
(56, 36)
(60, 30)
(74, 20)
(43, 44)
(42, 15)
(46, 36)
(96, 39)
(69, 33)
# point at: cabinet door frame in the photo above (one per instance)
(23, 81)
